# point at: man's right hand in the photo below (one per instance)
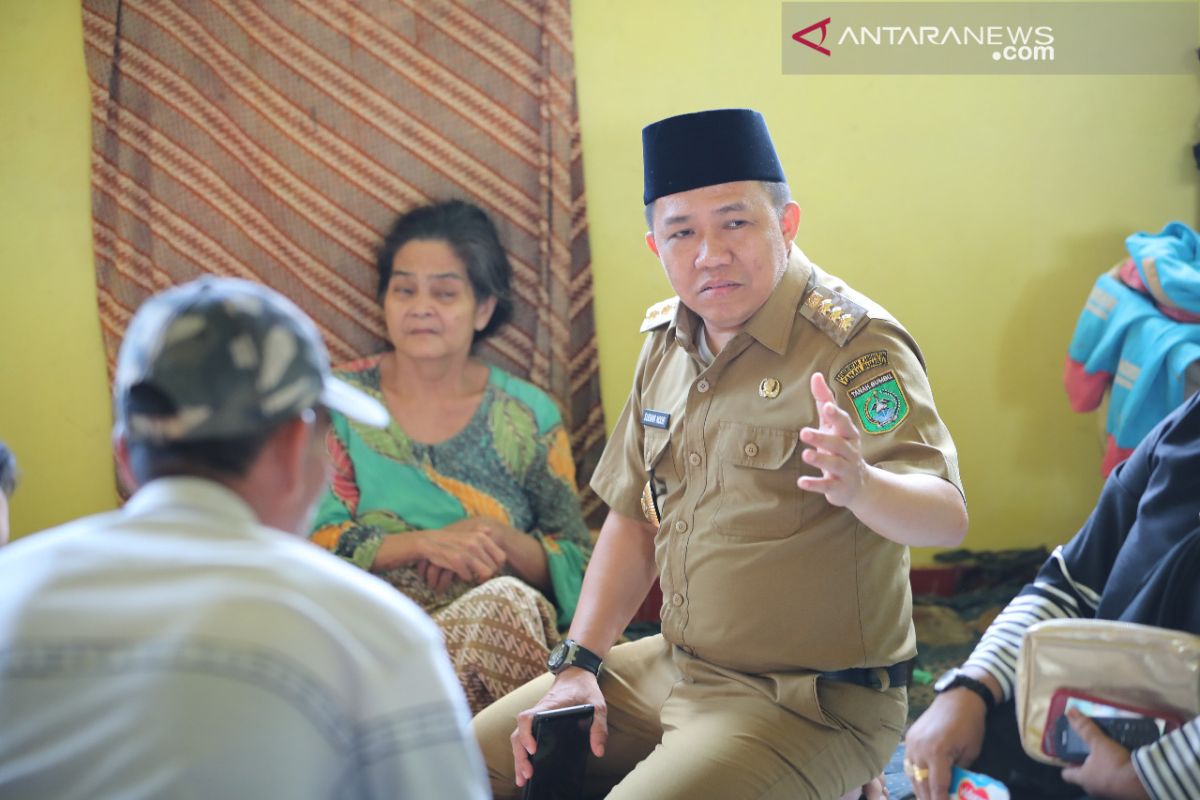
(949, 732)
(573, 686)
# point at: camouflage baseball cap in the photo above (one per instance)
(223, 358)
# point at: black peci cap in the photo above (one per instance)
(706, 148)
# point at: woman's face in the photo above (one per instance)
(430, 308)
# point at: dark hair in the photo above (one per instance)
(209, 458)
(8, 470)
(468, 230)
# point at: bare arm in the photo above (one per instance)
(617, 579)
(913, 509)
(526, 556)
(949, 732)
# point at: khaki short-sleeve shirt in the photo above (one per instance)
(758, 575)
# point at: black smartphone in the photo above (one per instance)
(563, 742)
(1129, 732)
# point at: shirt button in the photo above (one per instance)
(751, 449)
(694, 459)
(702, 385)
(677, 599)
(680, 526)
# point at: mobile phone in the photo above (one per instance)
(1129, 726)
(1129, 732)
(560, 760)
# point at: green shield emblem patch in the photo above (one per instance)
(880, 402)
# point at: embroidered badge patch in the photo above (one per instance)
(858, 366)
(656, 419)
(880, 402)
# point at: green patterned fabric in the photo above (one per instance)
(512, 462)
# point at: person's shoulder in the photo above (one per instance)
(350, 593)
(1181, 427)
(841, 312)
(833, 308)
(543, 408)
(362, 374)
(1189, 409)
(357, 370)
(37, 546)
(660, 314)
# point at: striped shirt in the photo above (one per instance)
(1136, 559)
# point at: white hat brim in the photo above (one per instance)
(354, 403)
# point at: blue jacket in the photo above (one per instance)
(1122, 333)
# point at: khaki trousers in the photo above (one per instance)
(679, 727)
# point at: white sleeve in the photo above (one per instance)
(1054, 595)
(1170, 768)
(420, 744)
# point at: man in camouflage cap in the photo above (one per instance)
(192, 642)
(219, 359)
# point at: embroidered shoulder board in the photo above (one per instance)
(659, 314)
(836, 315)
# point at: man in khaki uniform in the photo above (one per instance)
(780, 508)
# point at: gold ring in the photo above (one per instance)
(919, 774)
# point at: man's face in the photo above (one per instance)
(724, 248)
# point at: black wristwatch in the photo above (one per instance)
(955, 678)
(571, 653)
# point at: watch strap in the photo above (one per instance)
(964, 681)
(579, 656)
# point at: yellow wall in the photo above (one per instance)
(54, 406)
(979, 209)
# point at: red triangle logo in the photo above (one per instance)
(824, 26)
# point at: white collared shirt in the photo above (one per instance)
(178, 647)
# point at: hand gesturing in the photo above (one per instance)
(834, 448)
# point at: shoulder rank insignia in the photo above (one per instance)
(659, 314)
(836, 315)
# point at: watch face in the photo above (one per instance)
(557, 656)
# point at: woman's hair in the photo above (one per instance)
(471, 234)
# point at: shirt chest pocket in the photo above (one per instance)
(758, 469)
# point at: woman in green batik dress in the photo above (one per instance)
(467, 501)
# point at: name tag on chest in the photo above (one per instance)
(656, 419)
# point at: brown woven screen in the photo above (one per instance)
(277, 140)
